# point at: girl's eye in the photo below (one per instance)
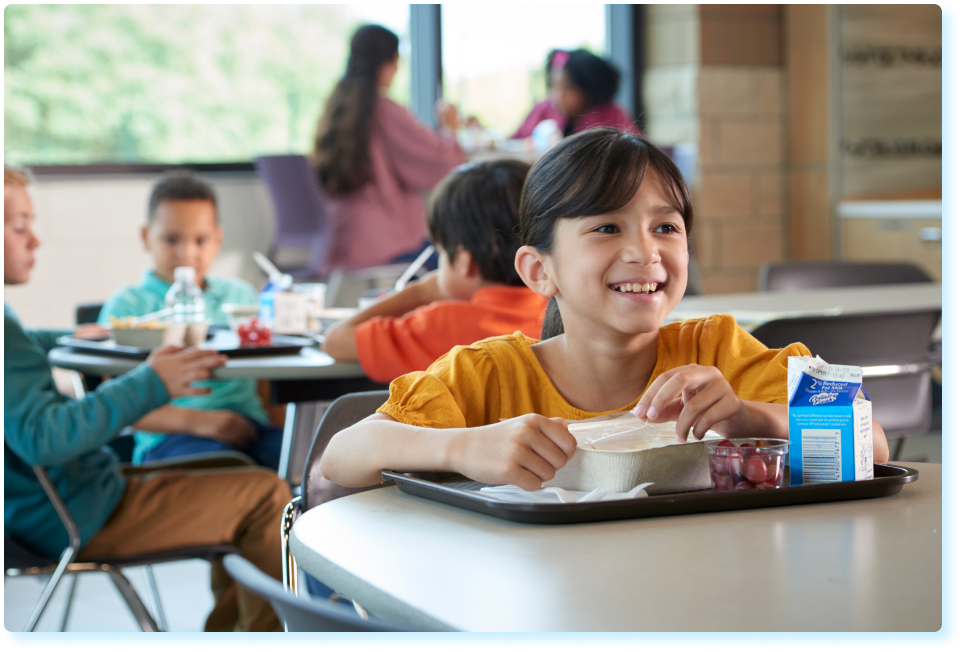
(667, 228)
(607, 228)
(170, 240)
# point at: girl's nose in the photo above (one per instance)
(641, 250)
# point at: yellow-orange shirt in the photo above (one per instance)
(500, 377)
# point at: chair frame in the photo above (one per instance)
(326, 429)
(68, 564)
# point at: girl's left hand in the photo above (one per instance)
(696, 397)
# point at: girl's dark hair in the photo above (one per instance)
(597, 171)
(597, 78)
(341, 145)
(476, 207)
(549, 66)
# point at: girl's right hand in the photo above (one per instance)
(179, 367)
(524, 451)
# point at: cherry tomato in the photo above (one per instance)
(725, 443)
(765, 485)
(756, 470)
(736, 466)
(772, 470)
(744, 485)
(719, 464)
(724, 483)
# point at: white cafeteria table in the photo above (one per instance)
(862, 565)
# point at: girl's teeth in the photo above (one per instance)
(637, 287)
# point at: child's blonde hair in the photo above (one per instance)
(15, 176)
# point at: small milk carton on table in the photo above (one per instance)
(829, 423)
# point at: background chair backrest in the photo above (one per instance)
(882, 338)
(299, 204)
(299, 614)
(343, 413)
(902, 397)
(87, 313)
(792, 276)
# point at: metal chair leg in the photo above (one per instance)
(288, 563)
(48, 590)
(137, 608)
(155, 597)
(66, 612)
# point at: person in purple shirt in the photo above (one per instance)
(582, 89)
(374, 159)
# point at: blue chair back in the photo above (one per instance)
(299, 614)
(300, 206)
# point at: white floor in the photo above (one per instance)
(184, 586)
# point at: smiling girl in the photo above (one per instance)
(605, 218)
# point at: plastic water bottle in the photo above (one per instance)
(185, 298)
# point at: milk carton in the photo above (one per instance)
(829, 422)
(281, 309)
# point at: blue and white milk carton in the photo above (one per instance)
(829, 422)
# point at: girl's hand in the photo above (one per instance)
(179, 367)
(524, 451)
(696, 397)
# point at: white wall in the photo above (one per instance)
(90, 244)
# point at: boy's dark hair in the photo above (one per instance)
(476, 207)
(177, 185)
(597, 171)
(598, 79)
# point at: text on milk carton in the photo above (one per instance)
(829, 422)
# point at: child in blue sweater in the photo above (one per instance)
(120, 515)
(182, 230)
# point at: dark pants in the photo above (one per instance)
(265, 449)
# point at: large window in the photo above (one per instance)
(176, 83)
(494, 57)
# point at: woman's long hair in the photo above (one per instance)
(344, 132)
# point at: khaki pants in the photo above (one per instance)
(171, 509)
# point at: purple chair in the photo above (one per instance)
(299, 203)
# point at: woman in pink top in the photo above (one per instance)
(374, 159)
(582, 88)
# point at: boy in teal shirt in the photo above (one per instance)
(119, 515)
(182, 230)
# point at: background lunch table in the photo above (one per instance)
(751, 309)
(310, 375)
(865, 565)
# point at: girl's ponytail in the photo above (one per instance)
(552, 324)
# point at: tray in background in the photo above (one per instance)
(454, 489)
(221, 340)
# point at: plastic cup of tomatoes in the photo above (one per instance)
(740, 464)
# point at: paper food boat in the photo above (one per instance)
(620, 451)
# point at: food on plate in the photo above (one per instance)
(254, 333)
(126, 323)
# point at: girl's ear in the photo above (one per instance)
(534, 268)
(145, 237)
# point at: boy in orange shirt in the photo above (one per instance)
(476, 292)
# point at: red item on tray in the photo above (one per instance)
(747, 463)
(253, 333)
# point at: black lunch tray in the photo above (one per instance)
(453, 489)
(217, 339)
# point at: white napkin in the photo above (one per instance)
(513, 494)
